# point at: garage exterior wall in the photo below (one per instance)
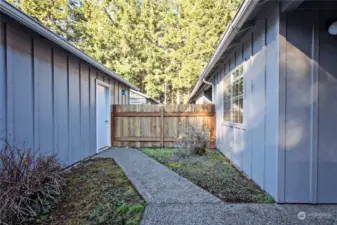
(47, 95)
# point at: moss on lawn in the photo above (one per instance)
(97, 192)
(213, 172)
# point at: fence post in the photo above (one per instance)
(113, 124)
(213, 127)
(162, 126)
(214, 131)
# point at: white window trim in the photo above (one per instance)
(99, 82)
(230, 123)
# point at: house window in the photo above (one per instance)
(227, 99)
(233, 96)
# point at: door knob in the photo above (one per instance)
(106, 121)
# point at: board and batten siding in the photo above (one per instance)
(47, 95)
(253, 145)
(287, 143)
(308, 107)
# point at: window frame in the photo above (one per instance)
(230, 75)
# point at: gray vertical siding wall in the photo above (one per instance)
(326, 179)
(3, 81)
(287, 143)
(47, 95)
(202, 98)
(253, 146)
(271, 101)
(308, 79)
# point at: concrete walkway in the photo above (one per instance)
(173, 200)
(155, 182)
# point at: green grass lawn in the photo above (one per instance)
(212, 172)
(97, 192)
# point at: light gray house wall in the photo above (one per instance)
(47, 94)
(252, 146)
(202, 98)
(308, 109)
(287, 142)
(137, 98)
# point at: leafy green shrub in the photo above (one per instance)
(29, 183)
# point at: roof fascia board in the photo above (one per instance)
(26, 20)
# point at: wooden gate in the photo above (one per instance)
(157, 125)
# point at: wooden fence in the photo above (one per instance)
(157, 125)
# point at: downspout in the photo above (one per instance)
(209, 83)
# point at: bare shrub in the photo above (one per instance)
(194, 141)
(29, 183)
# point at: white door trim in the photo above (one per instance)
(106, 85)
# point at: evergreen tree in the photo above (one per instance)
(161, 46)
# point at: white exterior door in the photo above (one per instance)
(102, 115)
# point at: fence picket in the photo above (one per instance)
(156, 125)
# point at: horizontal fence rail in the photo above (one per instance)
(158, 126)
(175, 114)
